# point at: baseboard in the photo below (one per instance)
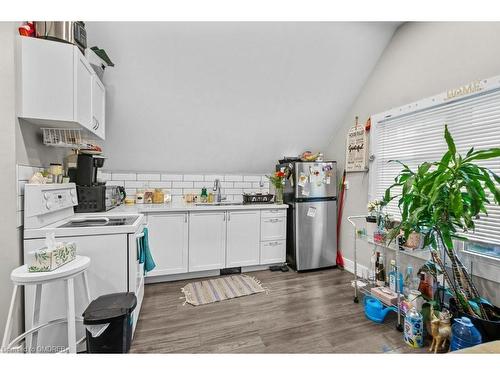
(349, 266)
(197, 275)
(180, 276)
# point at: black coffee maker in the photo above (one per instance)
(93, 196)
(86, 169)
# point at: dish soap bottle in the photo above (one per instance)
(204, 195)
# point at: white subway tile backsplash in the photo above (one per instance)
(232, 185)
(130, 192)
(115, 183)
(149, 176)
(124, 176)
(171, 177)
(202, 184)
(160, 184)
(233, 178)
(103, 176)
(182, 184)
(191, 191)
(260, 185)
(24, 172)
(137, 184)
(252, 178)
(243, 185)
(233, 191)
(193, 177)
(213, 177)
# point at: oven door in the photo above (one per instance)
(136, 272)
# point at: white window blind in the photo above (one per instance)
(416, 137)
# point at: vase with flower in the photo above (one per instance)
(277, 180)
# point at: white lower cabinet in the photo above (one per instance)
(195, 241)
(243, 238)
(207, 241)
(168, 241)
(273, 252)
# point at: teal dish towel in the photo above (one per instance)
(145, 255)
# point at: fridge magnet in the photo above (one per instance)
(311, 212)
(305, 191)
(302, 180)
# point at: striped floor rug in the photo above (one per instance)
(221, 288)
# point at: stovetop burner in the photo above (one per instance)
(99, 221)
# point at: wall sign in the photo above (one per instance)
(357, 149)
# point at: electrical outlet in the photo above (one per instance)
(346, 184)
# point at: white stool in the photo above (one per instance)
(67, 273)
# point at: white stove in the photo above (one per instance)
(109, 240)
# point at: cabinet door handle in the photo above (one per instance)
(224, 217)
(186, 217)
(229, 216)
(96, 124)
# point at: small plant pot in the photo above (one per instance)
(413, 241)
(489, 329)
(371, 225)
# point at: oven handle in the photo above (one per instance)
(138, 246)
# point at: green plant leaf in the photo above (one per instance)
(450, 142)
(484, 154)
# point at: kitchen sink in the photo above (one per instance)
(220, 204)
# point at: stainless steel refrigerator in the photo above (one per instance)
(311, 193)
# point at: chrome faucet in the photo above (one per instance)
(216, 189)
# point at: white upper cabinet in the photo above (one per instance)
(98, 107)
(207, 241)
(83, 86)
(56, 86)
(243, 238)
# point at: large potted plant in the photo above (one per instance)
(440, 200)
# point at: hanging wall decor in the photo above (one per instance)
(357, 149)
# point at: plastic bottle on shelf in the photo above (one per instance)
(408, 281)
(393, 276)
(414, 329)
(380, 271)
(464, 334)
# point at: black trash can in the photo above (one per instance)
(108, 320)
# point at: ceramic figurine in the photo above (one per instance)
(440, 330)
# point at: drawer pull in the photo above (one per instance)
(274, 220)
(275, 243)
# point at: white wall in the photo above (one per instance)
(422, 59)
(10, 252)
(226, 97)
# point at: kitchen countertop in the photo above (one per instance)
(182, 207)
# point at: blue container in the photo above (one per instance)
(464, 334)
(375, 310)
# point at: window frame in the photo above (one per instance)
(453, 95)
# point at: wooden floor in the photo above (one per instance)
(303, 313)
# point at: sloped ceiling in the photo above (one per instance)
(229, 97)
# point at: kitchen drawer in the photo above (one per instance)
(273, 228)
(278, 212)
(272, 252)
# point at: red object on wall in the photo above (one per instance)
(27, 29)
(340, 259)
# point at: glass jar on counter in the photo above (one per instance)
(158, 196)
